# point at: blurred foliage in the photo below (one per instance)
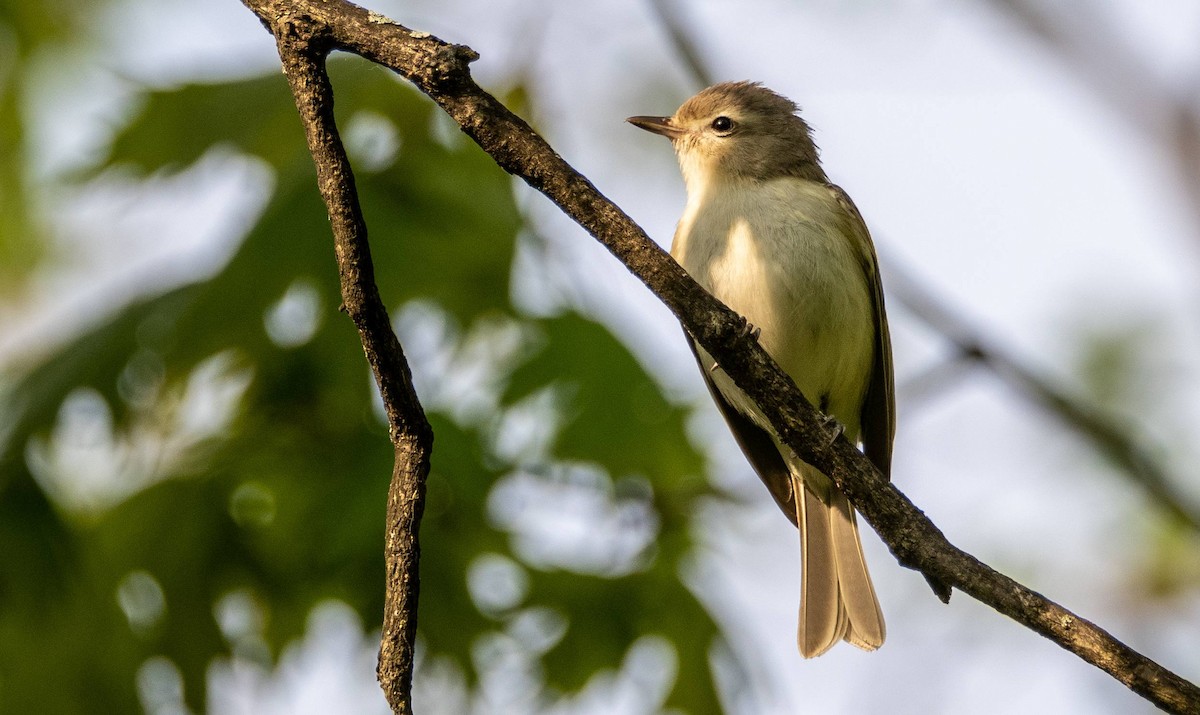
(1115, 362)
(232, 420)
(25, 30)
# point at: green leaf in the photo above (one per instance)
(286, 502)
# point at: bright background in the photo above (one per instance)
(1043, 198)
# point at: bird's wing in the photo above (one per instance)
(879, 407)
(878, 419)
(756, 444)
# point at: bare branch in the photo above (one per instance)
(441, 71)
(303, 45)
(1136, 460)
(1110, 437)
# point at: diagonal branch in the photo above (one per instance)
(1136, 460)
(1104, 431)
(441, 71)
(303, 46)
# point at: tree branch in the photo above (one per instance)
(441, 71)
(1105, 432)
(303, 45)
(1136, 460)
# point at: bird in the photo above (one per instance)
(766, 232)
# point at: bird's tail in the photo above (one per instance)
(837, 600)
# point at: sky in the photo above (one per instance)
(984, 168)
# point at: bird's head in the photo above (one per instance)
(738, 130)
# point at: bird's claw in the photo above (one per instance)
(751, 331)
(746, 331)
(830, 422)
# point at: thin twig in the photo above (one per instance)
(303, 46)
(1105, 432)
(673, 23)
(441, 71)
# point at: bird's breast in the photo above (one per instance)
(776, 254)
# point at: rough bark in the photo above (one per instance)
(303, 46)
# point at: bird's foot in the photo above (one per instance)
(830, 422)
(747, 330)
(751, 331)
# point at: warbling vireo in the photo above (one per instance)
(766, 233)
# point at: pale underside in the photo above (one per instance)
(791, 256)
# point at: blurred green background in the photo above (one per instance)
(235, 460)
(193, 461)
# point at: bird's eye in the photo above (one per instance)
(722, 125)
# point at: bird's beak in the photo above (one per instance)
(657, 125)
